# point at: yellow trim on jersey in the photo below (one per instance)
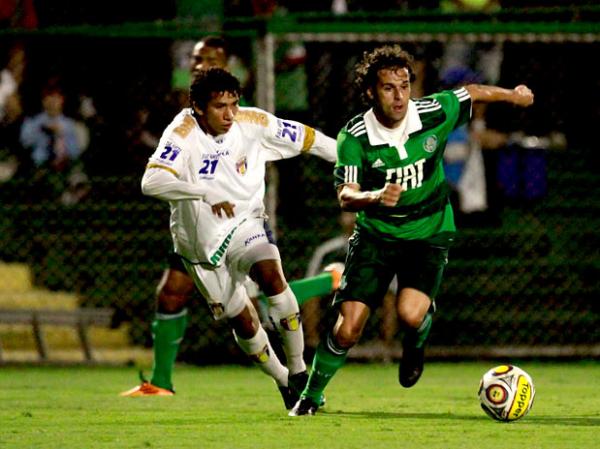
(185, 127)
(309, 138)
(255, 117)
(163, 167)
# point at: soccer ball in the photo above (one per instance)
(506, 393)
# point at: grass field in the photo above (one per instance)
(239, 407)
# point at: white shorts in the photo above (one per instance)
(224, 287)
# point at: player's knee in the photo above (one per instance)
(171, 302)
(347, 336)
(269, 278)
(412, 319)
(174, 292)
(244, 326)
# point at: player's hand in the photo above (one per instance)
(522, 96)
(390, 194)
(224, 206)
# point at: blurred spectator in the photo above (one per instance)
(485, 58)
(56, 143)
(463, 161)
(18, 14)
(13, 159)
(11, 75)
(462, 63)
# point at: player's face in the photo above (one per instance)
(204, 57)
(220, 111)
(391, 96)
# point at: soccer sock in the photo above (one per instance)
(260, 351)
(308, 288)
(285, 314)
(329, 357)
(418, 337)
(167, 331)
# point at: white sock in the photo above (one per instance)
(285, 314)
(260, 351)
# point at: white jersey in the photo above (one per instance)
(193, 170)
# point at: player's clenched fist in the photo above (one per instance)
(390, 194)
(523, 96)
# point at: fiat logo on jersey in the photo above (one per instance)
(430, 144)
(242, 165)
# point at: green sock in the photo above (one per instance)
(308, 288)
(328, 359)
(418, 337)
(167, 331)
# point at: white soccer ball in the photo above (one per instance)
(506, 393)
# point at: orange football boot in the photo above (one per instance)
(147, 389)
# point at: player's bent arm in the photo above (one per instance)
(519, 96)
(161, 183)
(352, 199)
(324, 147)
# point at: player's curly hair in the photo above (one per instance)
(207, 83)
(386, 57)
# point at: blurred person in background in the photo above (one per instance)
(390, 171)
(463, 160)
(55, 142)
(13, 157)
(14, 160)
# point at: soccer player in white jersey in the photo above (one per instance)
(175, 288)
(210, 167)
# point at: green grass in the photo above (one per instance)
(237, 407)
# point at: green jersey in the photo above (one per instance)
(371, 155)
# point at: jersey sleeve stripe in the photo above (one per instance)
(356, 127)
(462, 94)
(162, 167)
(351, 174)
(309, 138)
(431, 108)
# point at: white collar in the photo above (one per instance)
(380, 135)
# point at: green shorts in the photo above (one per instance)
(372, 264)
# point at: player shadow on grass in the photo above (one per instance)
(577, 421)
(580, 421)
(402, 415)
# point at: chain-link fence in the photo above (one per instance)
(523, 273)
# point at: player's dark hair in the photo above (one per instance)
(210, 82)
(386, 57)
(216, 42)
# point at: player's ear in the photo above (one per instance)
(197, 110)
(370, 95)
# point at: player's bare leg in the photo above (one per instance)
(331, 355)
(413, 306)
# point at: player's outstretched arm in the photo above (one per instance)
(324, 147)
(519, 96)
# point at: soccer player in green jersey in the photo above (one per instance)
(390, 171)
